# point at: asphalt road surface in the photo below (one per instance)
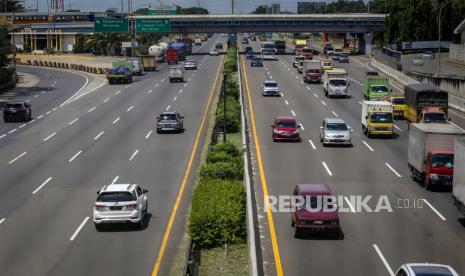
(52, 167)
(374, 243)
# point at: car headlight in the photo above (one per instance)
(276, 131)
(371, 128)
(434, 177)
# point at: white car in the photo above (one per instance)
(120, 203)
(214, 52)
(416, 269)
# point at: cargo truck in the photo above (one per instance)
(312, 71)
(458, 181)
(399, 107)
(149, 63)
(426, 103)
(335, 83)
(171, 56)
(377, 118)
(375, 88)
(119, 75)
(280, 46)
(176, 73)
(431, 153)
(180, 47)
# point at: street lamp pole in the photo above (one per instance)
(439, 36)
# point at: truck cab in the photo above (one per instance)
(426, 103)
(439, 168)
(335, 83)
(377, 118)
(433, 115)
(312, 71)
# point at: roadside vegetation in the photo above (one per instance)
(7, 73)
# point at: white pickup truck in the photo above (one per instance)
(336, 83)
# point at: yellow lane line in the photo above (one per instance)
(186, 176)
(274, 241)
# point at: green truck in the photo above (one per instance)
(376, 88)
(120, 72)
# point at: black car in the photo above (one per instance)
(170, 121)
(371, 73)
(256, 61)
(248, 49)
(343, 58)
(19, 111)
(249, 55)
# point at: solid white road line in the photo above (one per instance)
(74, 157)
(54, 109)
(42, 185)
(311, 144)
(79, 229)
(115, 179)
(98, 135)
(31, 121)
(351, 207)
(106, 100)
(168, 107)
(133, 155)
(2, 220)
(13, 130)
(130, 108)
(293, 113)
(398, 128)
(327, 169)
(40, 117)
(323, 103)
(116, 120)
(148, 135)
(392, 169)
(17, 157)
(50, 136)
(386, 264)
(334, 113)
(286, 102)
(23, 125)
(434, 209)
(92, 109)
(48, 112)
(73, 121)
(368, 146)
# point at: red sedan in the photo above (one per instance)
(285, 129)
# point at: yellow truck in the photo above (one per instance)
(399, 107)
(326, 64)
(377, 118)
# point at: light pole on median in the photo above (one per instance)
(439, 36)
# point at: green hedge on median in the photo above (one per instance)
(233, 115)
(218, 213)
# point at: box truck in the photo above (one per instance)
(431, 153)
(377, 118)
(458, 187)
(335, 83)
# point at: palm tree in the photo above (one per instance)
(107, 43)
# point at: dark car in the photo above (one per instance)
(245, 41)
(256, 61)
(343, 58)
(170, 121)
(285, 129)
(248, 49)
(253, 38)
(315, 213)
(249, 55)
(19, 111)
(371, 73)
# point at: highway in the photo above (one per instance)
(374, 243)
(52, 167)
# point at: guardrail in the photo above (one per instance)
(63, 65)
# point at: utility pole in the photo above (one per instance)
(439, 36)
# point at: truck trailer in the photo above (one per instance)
(431, 153)
(458, 187)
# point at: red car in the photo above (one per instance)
(285, 129)
(318, 220)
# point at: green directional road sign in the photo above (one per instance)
(111, 25)
(153, 25)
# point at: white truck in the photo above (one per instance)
(336, 83)
(458, 187)
(431, 153)
(377, 118)
(176, 73)
(197, 41)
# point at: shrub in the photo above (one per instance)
(232, 87)
(222, 170)
(218, 213)
(227, 147)
(233, 115)
(224, 157)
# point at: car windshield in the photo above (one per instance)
(286, 124)
(307, 50)
(16, 105)
(316, 202)
(168, 117)
(343, 56)
(442, 160)
(268, 52)
(398, 101)
(327, 64)
(372, 73)
(336, 126)
(313, 71)
(379, 88)
(271, 84)
(115, 197)
(338, 82)
(434, 117)
(257, 59)
(381, 117)
(423, 270)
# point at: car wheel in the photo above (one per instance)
(292, 223)
(296, 232)
(340, 235)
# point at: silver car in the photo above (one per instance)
(120, 203)
(270, 88)
(335, 131)
(414, 269)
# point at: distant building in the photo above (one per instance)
(311, 7)
(275, 8)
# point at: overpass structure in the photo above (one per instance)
(362, 25)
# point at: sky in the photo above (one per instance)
(214, 6)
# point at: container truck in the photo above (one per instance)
(335, 83)
(187, 45)
(458, 182)
(431, 153)
(312, 71)
(375, 88)
(149, 63)
(280, 46)
(171, 56)
(180, 47)
(377, 118)
(426, 103)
